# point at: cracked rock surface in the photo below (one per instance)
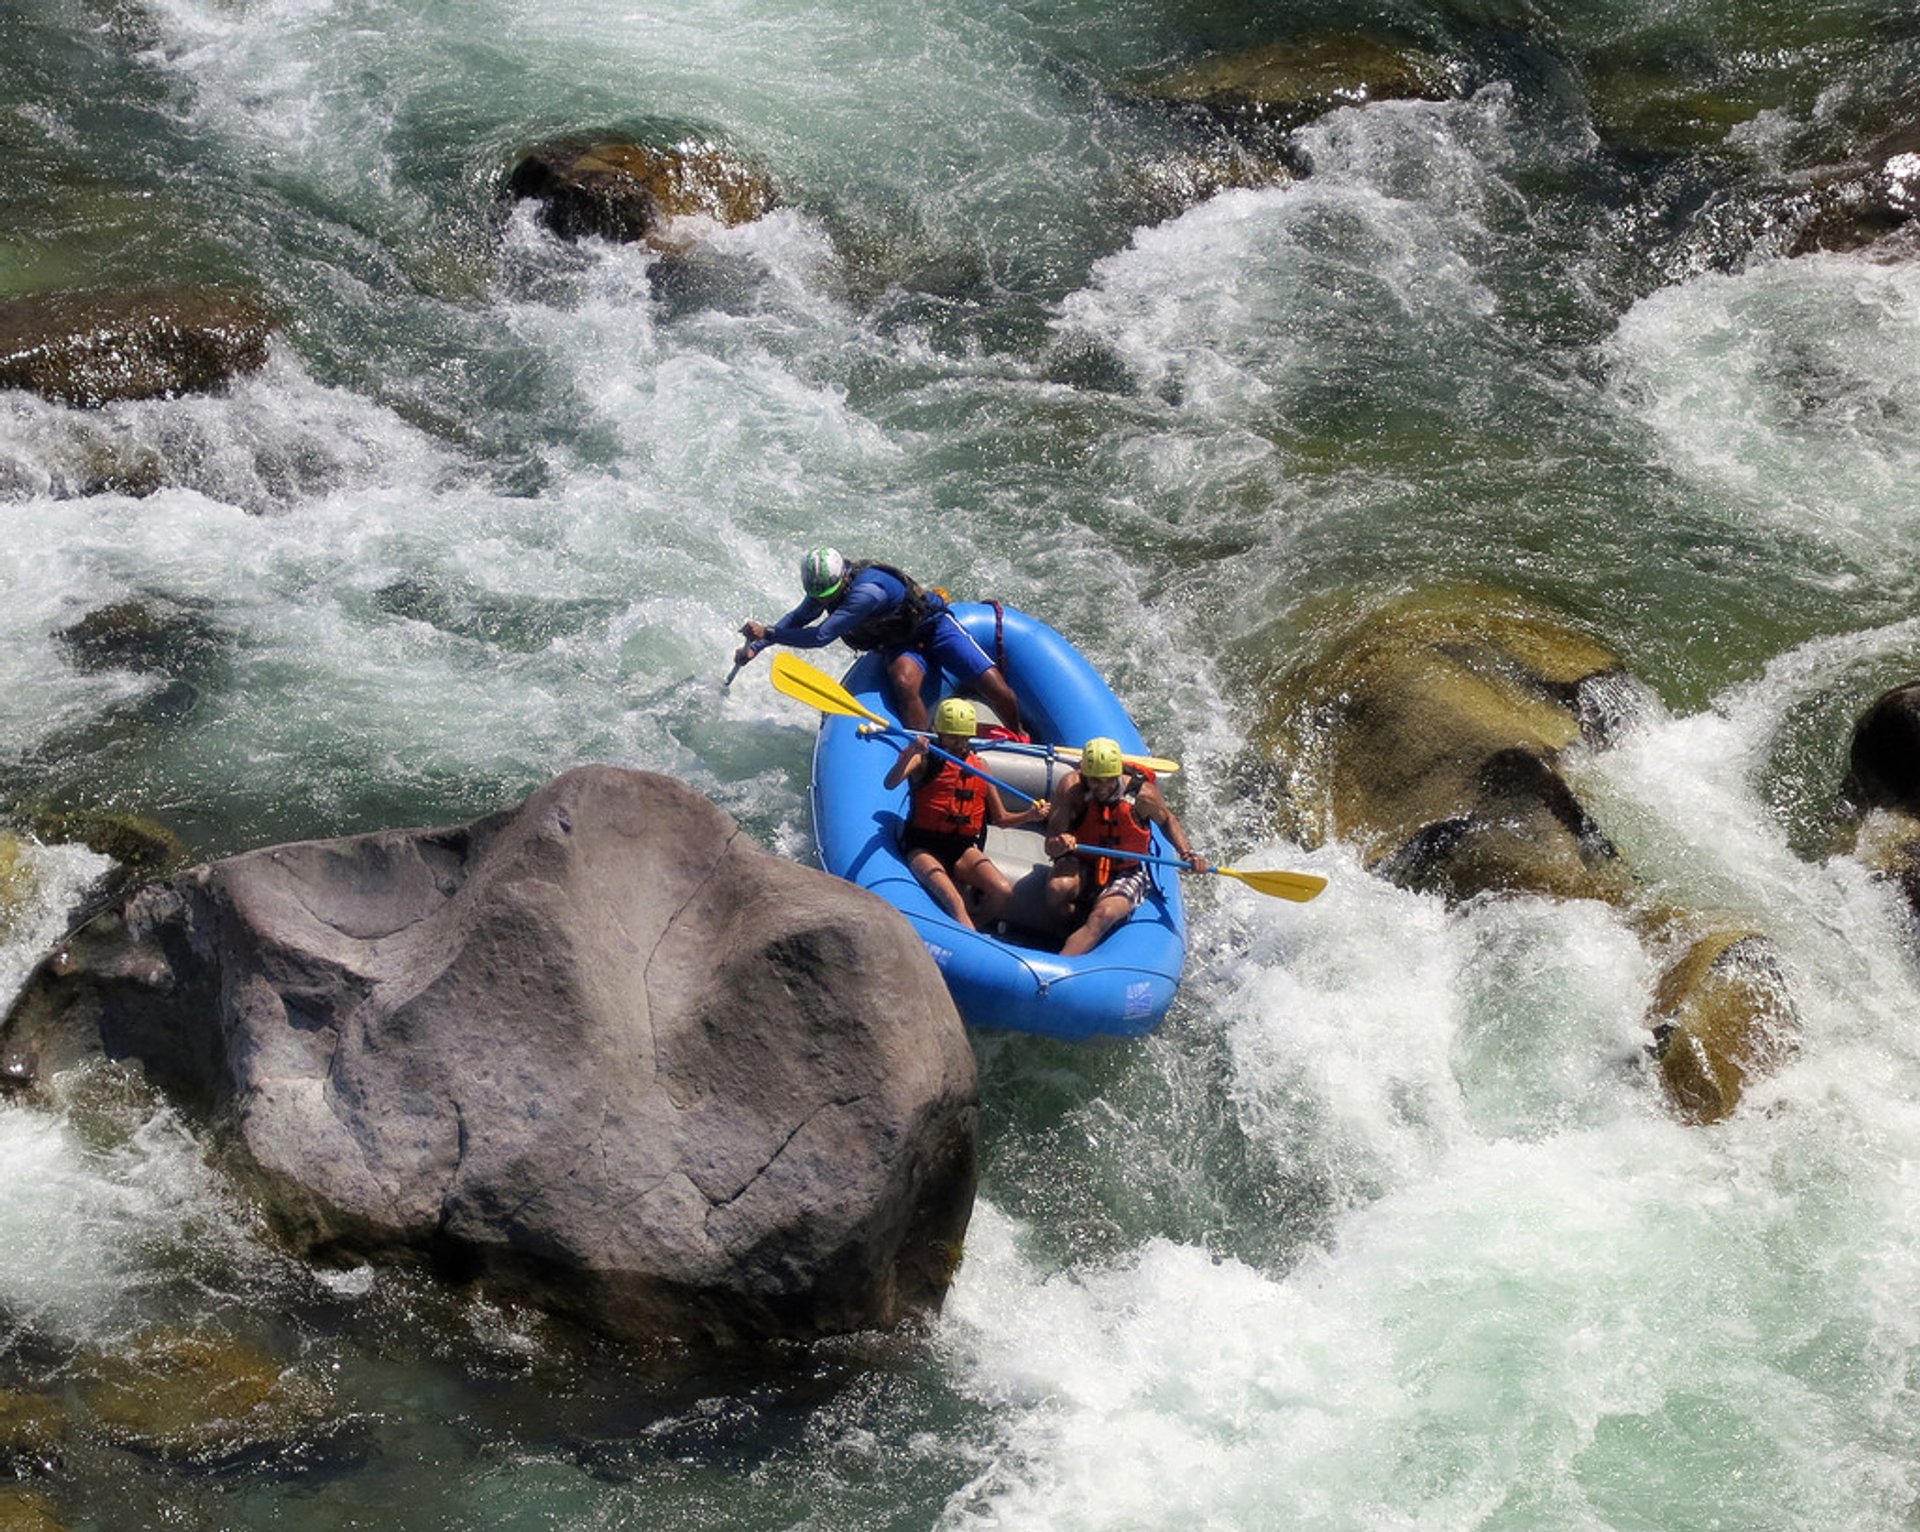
(598, 1051)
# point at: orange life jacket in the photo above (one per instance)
(949, 800)
(1115, 824)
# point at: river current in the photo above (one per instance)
(1389, 1226)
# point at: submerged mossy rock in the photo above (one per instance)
(33, 1428)
(1429, 732)
(26, 1510)
(196, 1397)
(17, 879)
(1276, 88)
(598, 1052)
(94, 348)
(612, 189)
(152, 635)
(141, 849)
(1656, 108)
(1722, 1015)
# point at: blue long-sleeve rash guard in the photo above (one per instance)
(872, 593)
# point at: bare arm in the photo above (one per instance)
(1067, 804)
(999, 814)
(1151, 807)
(909, 764)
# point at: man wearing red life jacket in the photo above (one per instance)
(951, 807)
(1106, 803)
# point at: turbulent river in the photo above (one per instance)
(1389, 1226)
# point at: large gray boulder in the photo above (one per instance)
(599, 1051)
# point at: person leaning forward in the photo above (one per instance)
(868, 605)
(1105, 803)
(949, 809)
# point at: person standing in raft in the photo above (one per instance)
(874, 606)
(1105, 803)
(951, 807)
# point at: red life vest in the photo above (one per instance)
(1115, 824)
(949, 800)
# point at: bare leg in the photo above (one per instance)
(976, 870)
(1102, 918)
(992, 686)
(906, 673)
(1063, 890)
(925, 866)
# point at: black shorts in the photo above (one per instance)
(947, 847)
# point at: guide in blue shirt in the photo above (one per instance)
(868, 605)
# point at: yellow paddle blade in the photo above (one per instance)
(1297, 886)
(813, 686)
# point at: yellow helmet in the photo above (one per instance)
(955, 716)
(1100, 758)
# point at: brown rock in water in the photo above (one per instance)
(598, 1051)
(93, 348)
(1722, 1016)
(626, 192)
(1281, 86)
(195, 1397)
(1430, 732)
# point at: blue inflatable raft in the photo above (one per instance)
(1017, 980)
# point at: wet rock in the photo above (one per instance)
(598, 1052)
(609, 189)
(25, 1510)
(33, 1428)
(148, 634)
(1871, 205)
(1880, 797)
(1170, 184)
(1274, 89)
(203, 1398)
(1432, 731)
(1722, 1016)
(92, 348)
(1887, 842)
(1883, 756)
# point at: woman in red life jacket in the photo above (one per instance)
(947, 822)
(1105, 803)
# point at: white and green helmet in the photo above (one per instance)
(822, 572)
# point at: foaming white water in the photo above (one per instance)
(1233, 307)
(271, 440)
(44, 886)
(94, 1218)
(1525, 1333)
(1546, 1302)
(1790, 388)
